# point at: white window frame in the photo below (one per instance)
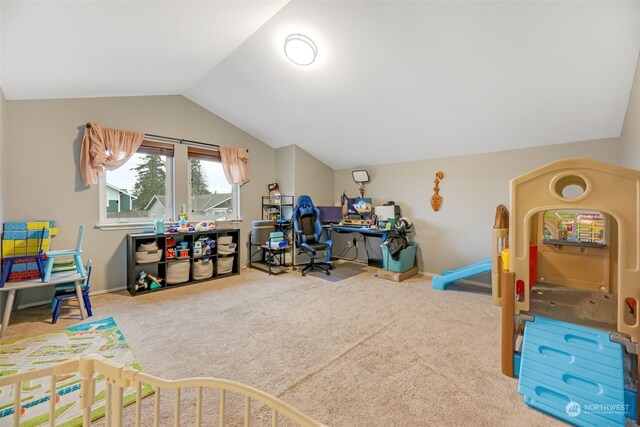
(235, 197)
(170, 195)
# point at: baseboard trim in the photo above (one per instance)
(103, 291)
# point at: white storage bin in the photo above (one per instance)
(202, 269)
(178, 272)
(143, 257)
(149, 246)
(226, 249)
(225, 265)
(224, 225)
(225, 240)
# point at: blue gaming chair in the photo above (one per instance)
(308, 229)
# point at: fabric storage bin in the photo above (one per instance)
(226, 249)
(149, 246)
(404, 262)
(178, 272)
(143, 257)
(224, 225)
(202, 269)
(225, 265)
(148, 252)
(225, 240)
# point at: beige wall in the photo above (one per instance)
(630, 137)
(3, 103)
(286, 169)
(314, 178)
(460, 233)
(298, 172)
(41, 160)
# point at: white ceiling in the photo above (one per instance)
(394, 81)
(78, 49)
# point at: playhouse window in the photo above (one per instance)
(578, 226)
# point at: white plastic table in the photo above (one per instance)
(56, 279)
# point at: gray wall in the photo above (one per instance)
(460, 233)
(41, 155)
(630, 137)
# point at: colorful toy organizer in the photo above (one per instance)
(24, 238)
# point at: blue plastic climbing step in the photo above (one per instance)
(450, 276)
(572, 372)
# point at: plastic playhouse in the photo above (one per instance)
(566, 270)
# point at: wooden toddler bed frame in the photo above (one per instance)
(118, 377)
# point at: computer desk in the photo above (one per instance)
(365, 231)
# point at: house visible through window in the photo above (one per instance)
(210, 194)
(141, 188)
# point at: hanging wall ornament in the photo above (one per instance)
(436, 199)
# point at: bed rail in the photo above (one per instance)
(117, 377)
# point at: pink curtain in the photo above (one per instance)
(106, 148)
(235, 162)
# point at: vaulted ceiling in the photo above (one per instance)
(393, 81)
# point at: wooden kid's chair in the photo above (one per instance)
(75, 253)
(68, 290)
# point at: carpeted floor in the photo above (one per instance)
(348, 349)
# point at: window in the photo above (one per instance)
(210, 194)
(141, 189)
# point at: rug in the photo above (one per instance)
(101, 337)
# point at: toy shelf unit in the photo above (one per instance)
(176, 259)
(278, 211)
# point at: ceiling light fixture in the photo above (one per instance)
(300, 49)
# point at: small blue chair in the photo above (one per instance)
(76, 253)
(68, 290)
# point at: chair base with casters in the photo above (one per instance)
(311, 250)
(68, 291)
(312, 266)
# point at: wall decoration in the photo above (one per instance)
(436, 199)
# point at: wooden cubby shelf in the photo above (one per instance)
(160, 268)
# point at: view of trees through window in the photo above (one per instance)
(138, 189)
(211, 193)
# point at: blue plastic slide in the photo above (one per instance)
(450, 276)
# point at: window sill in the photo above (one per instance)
(107, 226)
(123, 225)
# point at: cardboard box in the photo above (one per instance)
(396, 277)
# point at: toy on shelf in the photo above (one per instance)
(573, 233)
(205, 226)
(183, 224)
(146, 281)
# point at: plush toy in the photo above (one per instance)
(141, 281)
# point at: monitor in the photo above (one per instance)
(330, 214)
(361, 206)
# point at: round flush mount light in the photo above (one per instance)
(300, 49)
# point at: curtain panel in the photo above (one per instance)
(106, 148)
(235, 162)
